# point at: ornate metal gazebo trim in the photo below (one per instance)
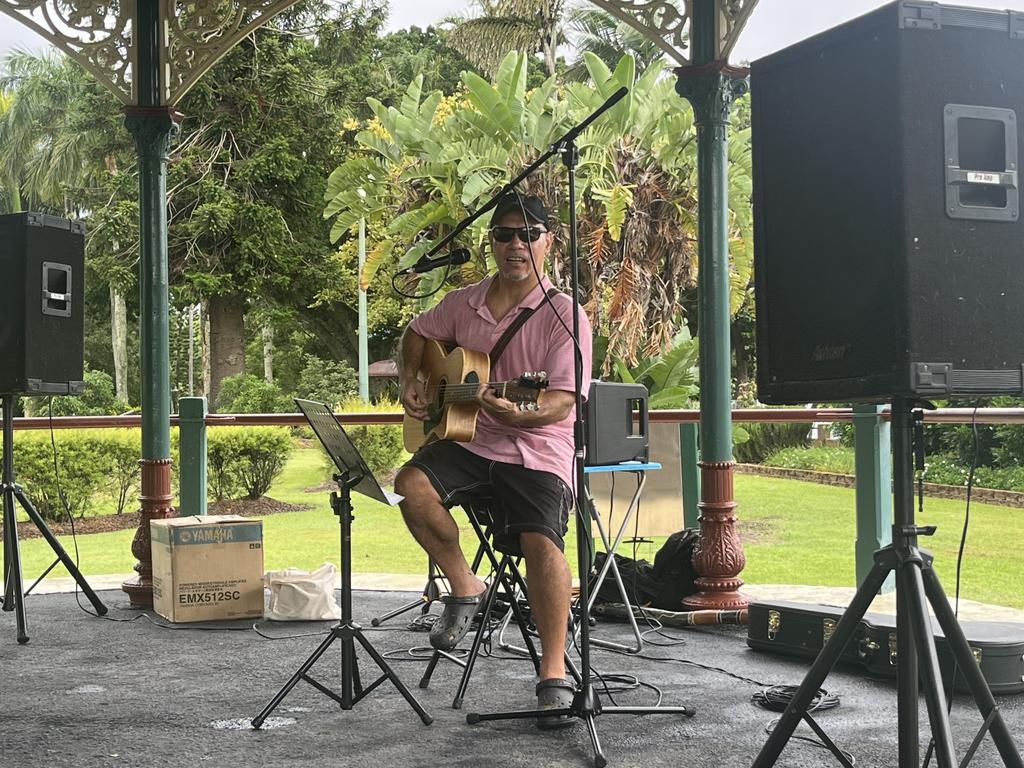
(101, 37)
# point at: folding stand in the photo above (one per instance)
(916, 582)
(14, 594)
(354, 474)
(612, 546)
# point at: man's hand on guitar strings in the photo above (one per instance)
(414, 399)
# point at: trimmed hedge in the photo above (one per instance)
(88, 462)
(245, 460)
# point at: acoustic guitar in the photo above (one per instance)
(451, 381)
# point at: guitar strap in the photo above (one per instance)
(506, 337)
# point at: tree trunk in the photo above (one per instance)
(119, 342)
(268, 353)
(227, 341)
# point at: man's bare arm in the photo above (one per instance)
(554, 405)
(410, 358)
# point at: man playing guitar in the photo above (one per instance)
(522, 461)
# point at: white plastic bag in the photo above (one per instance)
(300, 596)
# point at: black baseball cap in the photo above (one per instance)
(516, 203)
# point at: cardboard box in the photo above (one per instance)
(207, 568)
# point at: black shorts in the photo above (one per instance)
(519, 499)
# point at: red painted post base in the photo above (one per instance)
(719, 556)
(156, 505)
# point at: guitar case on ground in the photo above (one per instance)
(801, 629)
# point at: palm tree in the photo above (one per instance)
(10, 188)
(38, 152)
(530, 26)
(597, 31)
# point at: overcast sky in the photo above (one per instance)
(774, 24)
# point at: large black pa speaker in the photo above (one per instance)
(42, 264)
(889, 249)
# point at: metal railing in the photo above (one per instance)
(873, 469)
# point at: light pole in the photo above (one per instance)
(364, 344)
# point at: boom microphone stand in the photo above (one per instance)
(14, 596)
(585, 705)
(916, 582)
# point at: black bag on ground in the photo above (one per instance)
(674, 571)
(662, 585)
(637, 578)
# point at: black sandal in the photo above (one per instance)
(555, 693)
(452, 625)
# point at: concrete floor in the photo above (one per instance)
(131, 692)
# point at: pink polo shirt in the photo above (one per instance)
(541, 344)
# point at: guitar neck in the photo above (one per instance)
(464, 392)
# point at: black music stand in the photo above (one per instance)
(14, 595)
(916, 586)
(352, 474)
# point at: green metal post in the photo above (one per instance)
(364, 362)
(192, 418)
(711, 87)
(873, 466)
(688, 457)
(151, 125)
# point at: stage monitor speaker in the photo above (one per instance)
(616, 423)
(889, 249)
(42, 261)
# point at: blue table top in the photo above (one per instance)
(625, 466)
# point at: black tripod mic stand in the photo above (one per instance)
(586, 706)
(431, 594)
(918, 664)
(14, 593)
(354, 473)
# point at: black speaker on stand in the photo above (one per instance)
(889, 247)
(42, 263)
(888, 264)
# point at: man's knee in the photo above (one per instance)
(536, 546)
(413, 483)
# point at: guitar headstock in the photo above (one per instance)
(526, 390)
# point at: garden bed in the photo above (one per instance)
(105, 523)
(984, 495)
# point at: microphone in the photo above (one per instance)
(427, 263)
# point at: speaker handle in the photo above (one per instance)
(981, 163)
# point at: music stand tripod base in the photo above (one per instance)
(916, 583)
(353, 474)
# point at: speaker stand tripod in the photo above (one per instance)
(347, 630)
(14, 595)
(918, 664)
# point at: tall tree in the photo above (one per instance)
(530, 26)
(596, 31)
(245, 183)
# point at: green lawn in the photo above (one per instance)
(793, 533)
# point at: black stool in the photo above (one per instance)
(508, 583)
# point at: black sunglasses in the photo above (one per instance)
(525, 234)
